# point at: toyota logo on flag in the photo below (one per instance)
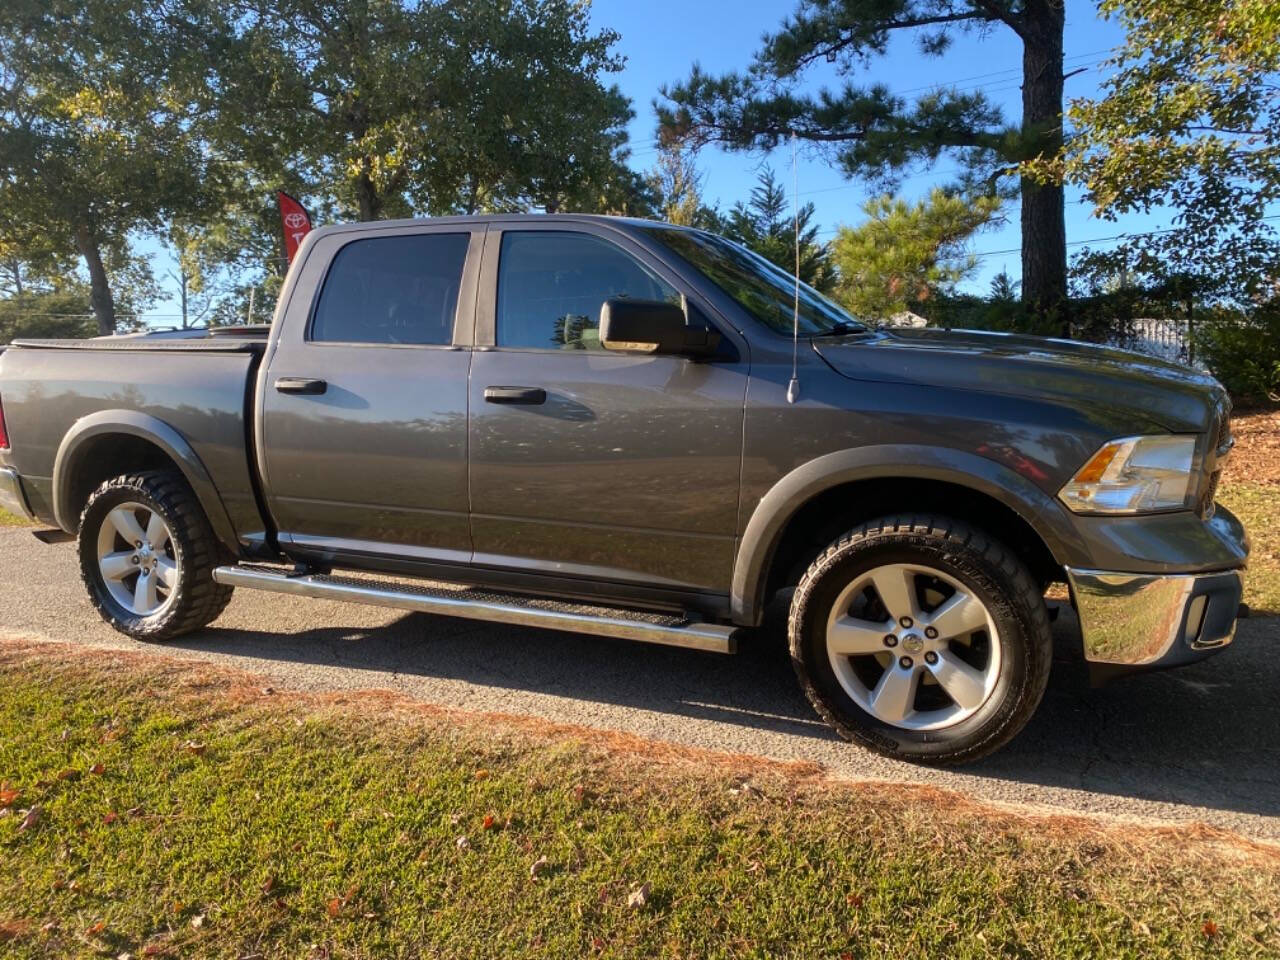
(296, 223)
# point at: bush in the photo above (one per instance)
(1244, 354)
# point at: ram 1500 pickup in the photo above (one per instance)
(630, 429)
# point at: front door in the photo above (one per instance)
(591, 463)
(365, 400)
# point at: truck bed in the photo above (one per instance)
(56, 393)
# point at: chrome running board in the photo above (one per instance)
(474, 604)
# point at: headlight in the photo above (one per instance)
(1135, 475)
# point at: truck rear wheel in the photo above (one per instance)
(147, 555)
(921, 638)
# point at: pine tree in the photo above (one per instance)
(873, 133)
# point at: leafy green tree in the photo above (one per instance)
(905, 254)
(767, 225)
(395, 107)
(873, 133)
(96, 142)
(677, 187)
(1189, 122)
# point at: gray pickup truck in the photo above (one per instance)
(606, 426)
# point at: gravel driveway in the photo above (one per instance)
(1200, 743)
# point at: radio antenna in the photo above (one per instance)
(793, 388)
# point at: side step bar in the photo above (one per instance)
(474, 604)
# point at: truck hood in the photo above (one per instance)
(1126, 386)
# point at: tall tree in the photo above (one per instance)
(95, 139)
(398, 107)
(767, 224)
(905, 254)
(1189, 122)
(876, 134)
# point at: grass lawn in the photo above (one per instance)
(183, 811)
(7, 519)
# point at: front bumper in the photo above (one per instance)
(12, 498)
(1155, 620)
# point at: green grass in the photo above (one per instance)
(7, 519)
(298, 827)
(1258, 507)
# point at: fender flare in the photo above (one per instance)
(155, 431)
(770, 517)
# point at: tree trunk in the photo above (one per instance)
(367, 195)
(100, 298)
(1044, 228)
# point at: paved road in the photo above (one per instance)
(1201, 743)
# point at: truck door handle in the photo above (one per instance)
(531, 395)
(303, 385)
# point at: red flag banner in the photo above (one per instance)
(296, 223)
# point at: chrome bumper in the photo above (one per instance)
(11, 496)
(1140, 619)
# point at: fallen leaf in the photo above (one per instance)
(191, 746)
(1210, 929)
(154, 950)
(482, 774)
(462, 843)
(8, 794)
(49, 927)
(197, 921)
(639, 897)
(68, 774)
(597, 943)
(334, 906)
(268, 884)
(489, 822)
(110, 817)
(96, 929)
(538, 866)
(31, 819)
(854, 899)
(13, 929)
(97, 769)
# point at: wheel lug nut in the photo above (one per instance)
(138, 544)
(906, 623)
(905, 663)
(890, 640)
(135, 560)
(931, 633)
(931, 658)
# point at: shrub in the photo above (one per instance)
(1244, 354)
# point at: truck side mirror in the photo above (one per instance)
(653, 326)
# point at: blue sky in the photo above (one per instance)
(662, 38)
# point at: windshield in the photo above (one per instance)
(762, 289)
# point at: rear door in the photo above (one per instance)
(363, 437)
(587, 463)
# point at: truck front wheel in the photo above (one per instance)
(147, 555)
(921, 638)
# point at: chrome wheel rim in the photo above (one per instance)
(913, 646)
(137, 559)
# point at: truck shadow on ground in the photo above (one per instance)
(1205, 735)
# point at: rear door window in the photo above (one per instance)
(392, 290)
(551, 286)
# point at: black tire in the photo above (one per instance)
(990, 571)
(196, 600)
